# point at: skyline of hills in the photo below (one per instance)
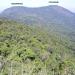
(54, 18)
(40, 41)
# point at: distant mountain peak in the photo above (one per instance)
(52, 14)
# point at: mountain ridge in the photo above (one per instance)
(38, 41)
(53, 17)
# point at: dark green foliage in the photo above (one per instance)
(1, 22)
(38, 50)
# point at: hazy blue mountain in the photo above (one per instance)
(55, 18)
(49, 14)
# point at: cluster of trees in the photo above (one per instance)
(36, 49)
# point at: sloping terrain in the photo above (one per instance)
(54, 18)
(37, 50)
(37, 41)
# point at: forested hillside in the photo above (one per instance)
(54, 18)
(39, 51)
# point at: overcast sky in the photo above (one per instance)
(69, 4)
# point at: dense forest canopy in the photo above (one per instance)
(37, 41)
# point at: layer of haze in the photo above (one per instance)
(69, 4)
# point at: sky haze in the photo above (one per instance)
(69, 4)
